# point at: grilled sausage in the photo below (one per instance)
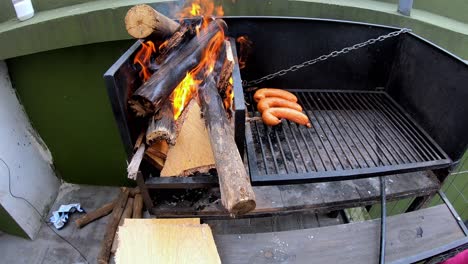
(272, 92)
(271, 116)
(268, 102)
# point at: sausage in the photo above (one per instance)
(271, 116)
(268, 102)
(272, 92)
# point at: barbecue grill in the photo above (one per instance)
(393, 107)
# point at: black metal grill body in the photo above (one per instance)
(396, 106)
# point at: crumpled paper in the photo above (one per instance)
(60, 217)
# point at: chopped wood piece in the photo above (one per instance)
(161, 126)
(158, 149)
(157, 162)
(138, 206)
(237, 195)
(117, 212)
(150, 97)
(96, 214)
(134, 165)
(142, 21)
(134, 191)
(192, 153)
(226, 70)
(139, 141)
(165, 241)
(127, 213)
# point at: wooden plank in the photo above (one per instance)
(407, 235)
(312, 197)
(192, 153)
(166, 241)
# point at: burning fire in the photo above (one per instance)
(244, 50)
(143, 57)
(205, 8)
(188, 87)
(229, 95)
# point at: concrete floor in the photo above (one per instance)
(49, 248)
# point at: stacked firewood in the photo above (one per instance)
(129, 204)
(197, 135)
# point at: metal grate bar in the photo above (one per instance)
(389, 132)
(406, 139)
(315, 125)
(375, 125)
(354, 134)
(421, 137)
(324, 102)
(366, 142)
(343, 144)
(369, 128)
(362, 151)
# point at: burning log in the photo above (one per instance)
(161, 126)
(142, 21)
(226, 70)
(172, 43)
(237, 194)
(150, 97)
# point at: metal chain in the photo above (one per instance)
(325, 57)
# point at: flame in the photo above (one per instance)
(229, 95)
(196, 8)
(186, 89)
(244, 50)
(143, 57)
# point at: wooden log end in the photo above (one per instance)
(166, 134)
(243, 207)
(140, 21)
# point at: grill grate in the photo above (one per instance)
(354, 134)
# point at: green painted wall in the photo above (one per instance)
(66, 100)
(8, 225)
(455, 9)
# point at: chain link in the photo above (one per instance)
(325, 57)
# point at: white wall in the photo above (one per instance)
(29, 160)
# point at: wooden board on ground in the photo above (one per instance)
(407, 235)
(166, 241)
(192, 152)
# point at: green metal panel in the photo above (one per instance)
(65, 97)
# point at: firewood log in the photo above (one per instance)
(237, 195)
(134, 165)
(150, 97)
(117, 212)
(161, 126)
(96, 214)
(127, 213)
(142, 21)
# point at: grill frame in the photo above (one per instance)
(400, 144)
